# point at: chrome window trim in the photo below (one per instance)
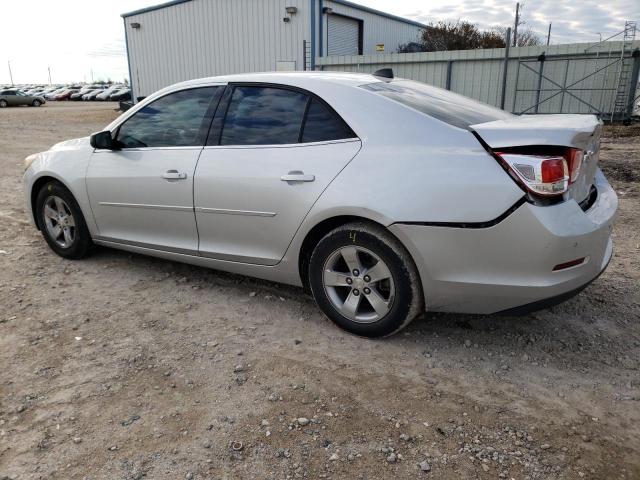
(147, 149)
(284, 145)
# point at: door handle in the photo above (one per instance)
(297, 176)
(174, 175)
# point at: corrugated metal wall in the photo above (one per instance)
(378, 29)
(201, 38)
(478, 74)
(204, 38)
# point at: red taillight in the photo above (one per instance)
(541, 170)
(552, 170)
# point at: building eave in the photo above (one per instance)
(154, 7)
(380, 13)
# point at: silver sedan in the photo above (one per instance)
(382, 197)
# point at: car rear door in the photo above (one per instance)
(142, 194)
(271, 153)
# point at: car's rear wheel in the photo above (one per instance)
(365, 281)
(3, 104)
(61, 221)
(36, 103)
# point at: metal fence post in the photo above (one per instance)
(449, 68)
(504, 69)
(541, 60)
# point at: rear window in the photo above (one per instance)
(446, 106)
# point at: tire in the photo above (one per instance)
(3, 104)
(395, 290)
(36, 103)
(75, 242)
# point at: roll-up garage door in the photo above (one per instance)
(344, 35)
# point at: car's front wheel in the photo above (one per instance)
(36, 103)
(61, 221)
(365, 281)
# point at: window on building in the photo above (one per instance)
(175, 120)
(322, 125)
(263, 116)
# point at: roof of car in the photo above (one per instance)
(289, 78)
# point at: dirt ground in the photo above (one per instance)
(127, 367)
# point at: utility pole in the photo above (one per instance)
(515, 26)
(549, 34)
(49, 70)
(10, 74)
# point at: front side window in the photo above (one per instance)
(263, 116)
(175, 120)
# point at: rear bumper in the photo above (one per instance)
(509, 266)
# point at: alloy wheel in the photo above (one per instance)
(358, 284)
(59, 221)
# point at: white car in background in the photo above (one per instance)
(383, 197)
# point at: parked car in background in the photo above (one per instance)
(384, 197)
(92, 94)
(53, 93)
(108, 92)
(11, 98)
(121, 95)
(65, 94)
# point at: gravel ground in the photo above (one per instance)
(127, 367)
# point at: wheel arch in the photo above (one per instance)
(35, 188)
(320, 229)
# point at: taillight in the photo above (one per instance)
(540, 171)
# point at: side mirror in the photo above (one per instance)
(103, 141)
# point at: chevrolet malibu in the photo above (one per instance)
(382, 197)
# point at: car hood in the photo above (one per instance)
(73, 144)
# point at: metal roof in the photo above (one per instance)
(341, 2)
(154, 7)
(357, 6)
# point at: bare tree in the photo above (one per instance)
(526, 36)
(460, 35)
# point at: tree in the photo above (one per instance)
(460, 35)
(526, 37)
(463, 35)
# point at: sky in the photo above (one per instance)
(83, 40)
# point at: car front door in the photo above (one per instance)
(271, 152)
(142, 193)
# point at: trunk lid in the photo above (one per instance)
(576, 131)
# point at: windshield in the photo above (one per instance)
(446, 106)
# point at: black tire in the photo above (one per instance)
(404, 304)
(3, 104)
(81, 244)
(36, 103)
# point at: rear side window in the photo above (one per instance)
(321, 125)
(446, 106)
(263, 116)
(175, 120)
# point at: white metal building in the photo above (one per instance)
(186, 39)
